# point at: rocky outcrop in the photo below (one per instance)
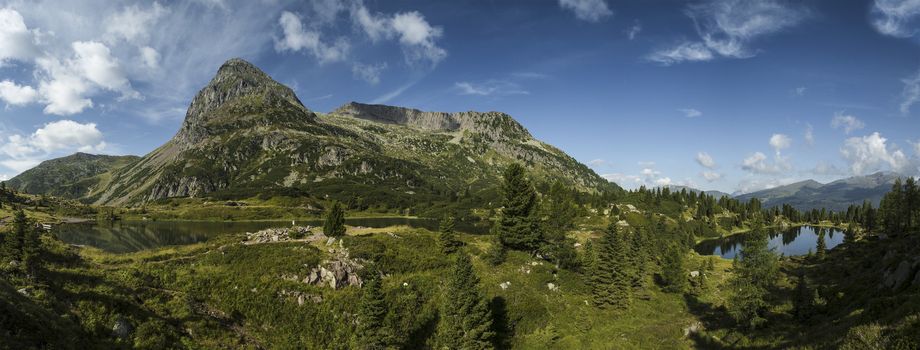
(494, 125)
(236, 79)
(283, 234)
(903, 274)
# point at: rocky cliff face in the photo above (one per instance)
(495, 125)
(237, 83)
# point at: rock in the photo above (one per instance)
(576, 245)
(552, 287)
(693, 328)
(895, 279)
(121, 329)
(25, 291)
(336, 274)
(505, 285)
(14, 263)
(694, 274)
(278, 234)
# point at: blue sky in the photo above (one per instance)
(731, 95)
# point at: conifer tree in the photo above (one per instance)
(518, 226)
(821, 248)
(371, 333)
(638, 246)
(466, 322)
(802, 301)
(447, 239)
(335, 221)
(674, 271)
(611, 281)
(15, 238)
(753, 274)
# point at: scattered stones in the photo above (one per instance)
(300, 297)
(524, 269)
(694, 274)
(27, 291)
(552, 287)
(284, 234)
(505, 285)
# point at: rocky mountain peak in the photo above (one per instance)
(236, 79)
(495, 124)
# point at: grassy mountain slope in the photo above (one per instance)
(246, 135)
(70, 176)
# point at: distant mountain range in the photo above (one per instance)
(716, 194)
(247, 135)
(837, 195)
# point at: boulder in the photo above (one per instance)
(693, 328)
(121, 329)
(694, 274)
(505, 285)
(552, 287)
(895, 279)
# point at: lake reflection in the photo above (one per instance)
(793, 241)
(131, 236)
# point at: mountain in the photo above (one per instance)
(70, 176)
(713, 193)
(837, 195)
(246, 135)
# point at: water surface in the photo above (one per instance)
(131, 236)
(789, 242)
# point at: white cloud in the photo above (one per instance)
(664, 181)
(757, 163)
(17, 42)
(711, 176)
(809, 134)
(150, 57)
(704, 159)
(871, 153)
(587, 10)
(62, 90)
(648, 176)
(757, 184)
(17, 95)
(911, 93)
(416, 36)
(94, 61)
(327, 10)
(20, 153)
(133, 23)
(848, 123)
(490, 88)
(896, 17)
(597, 162)
(680, 53)
(368, 72)
(634, 31)
(780, 142)
(800, 91)
(690, 112)
(726, 28)
(827, 169)
(296, 38)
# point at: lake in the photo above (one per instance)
(793, 241)
(132, 236)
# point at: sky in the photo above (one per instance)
(729, 95)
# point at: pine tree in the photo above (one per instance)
(15, 238)
(371, 333)
(519, 227)
(611, 281)
(466, 322)
(447, 239)
(335, 221)
(802, 301)
(674, 271)
(821, 248)
(638, 246)
(753, 274)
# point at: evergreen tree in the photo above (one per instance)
(466, 322)
(802, 301)
(447, 239)
(335, 221)
(821, 248)
(371, 333)
(674, 271)
(638, 257)
(851, 234)
(518, 226)
(611, 281)
(753, 274)
(15, 238)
